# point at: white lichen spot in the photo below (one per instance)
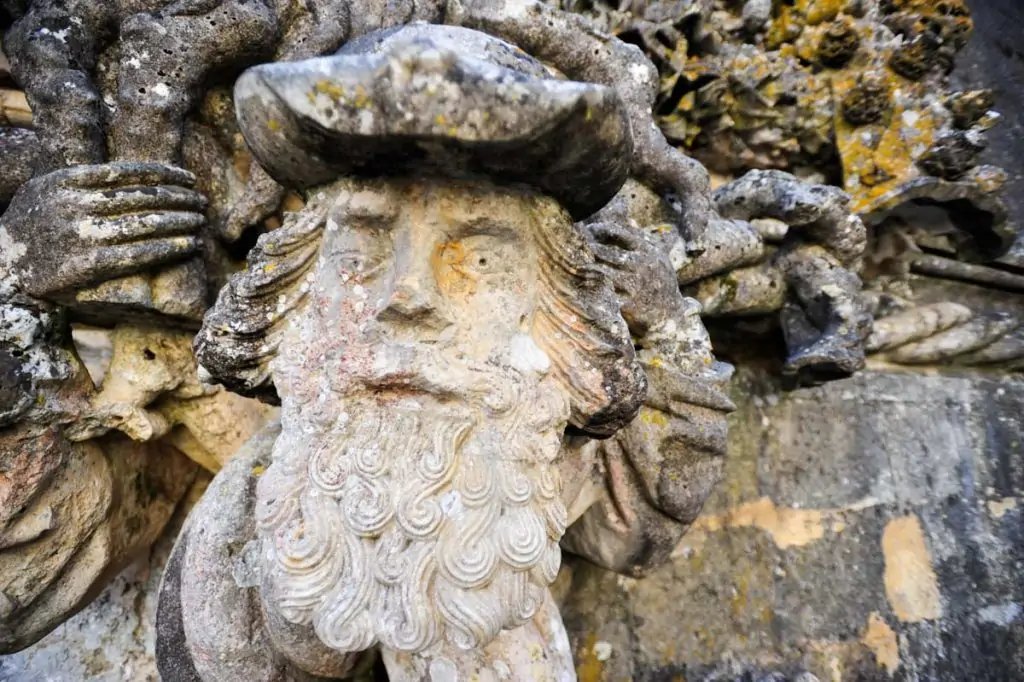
(451, 504)
(443, 670)
(602, 650)
(677, 255)
(517, 9)
(640, 73)
(526, 356)
(10, 250)
(1001, 614)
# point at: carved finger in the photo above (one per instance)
(779, 195)
(125, 259)
(610, 255)
(615, 235)
(131, 228)
(125, 173)
(122, 200)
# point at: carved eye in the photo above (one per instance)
(360, 255)
(352, 262)
(482, 254)
(361, 265)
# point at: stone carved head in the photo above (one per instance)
(431, 322)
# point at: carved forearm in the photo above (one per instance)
(52, 51)
(821, 212)
(20, 157)
(660, 468)
(166, 56)
(827, 325)
(658, 472)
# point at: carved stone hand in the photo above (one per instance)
(79, 226)
(640, 272)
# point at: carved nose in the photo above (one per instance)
(415, 298)
(409, 299)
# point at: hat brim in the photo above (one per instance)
(419, 106)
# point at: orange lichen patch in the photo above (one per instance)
(332, 90)
(748, 108)
(910, 582)
(791, 19)
(818, 11)
(952, 17)
(881, 640)
(788, 527)
(449, 264)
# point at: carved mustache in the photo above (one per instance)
(410, 368)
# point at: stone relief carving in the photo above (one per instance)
(420, 486)
(476, 295)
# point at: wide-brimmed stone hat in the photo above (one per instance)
(441, 100)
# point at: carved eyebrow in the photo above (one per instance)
(377, 220)
(496, 226)
(373, 208)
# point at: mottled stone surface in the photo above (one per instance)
(867, 529)
(994, 60)
(850, 517)
(113, 638)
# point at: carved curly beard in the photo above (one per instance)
(414, 517)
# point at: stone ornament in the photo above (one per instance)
(421, 483)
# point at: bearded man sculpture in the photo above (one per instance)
(448, 351)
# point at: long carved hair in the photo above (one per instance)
(577, 324)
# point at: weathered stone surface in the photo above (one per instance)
(461, 322)
(113, 638)
(386, 105)
(442, 310)
(865, 529)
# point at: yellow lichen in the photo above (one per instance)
(881, 640)
(590, 668)
(910, 581)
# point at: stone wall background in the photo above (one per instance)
(869, 529)
(994, 58)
